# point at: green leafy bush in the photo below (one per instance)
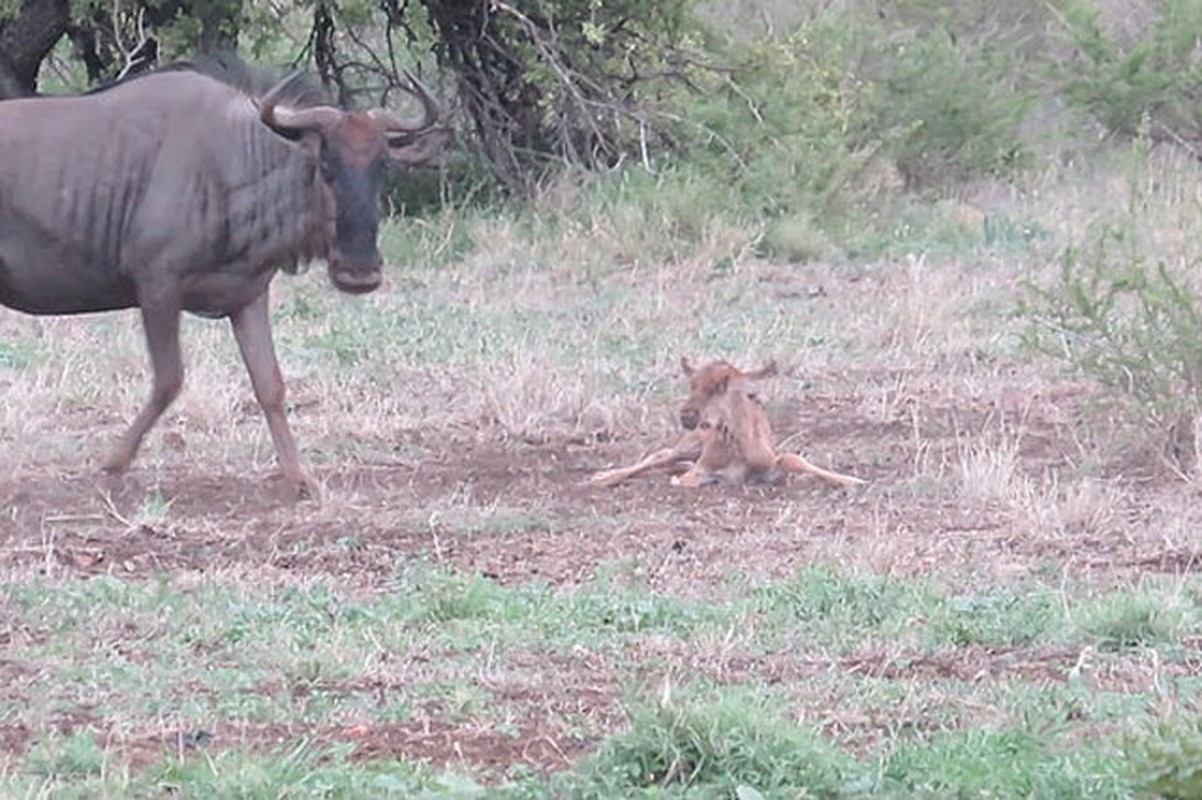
(1130, 324)
(948, 113)
(1149, 83)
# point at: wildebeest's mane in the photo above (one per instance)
(303, 90)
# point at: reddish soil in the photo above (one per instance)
(517, 512)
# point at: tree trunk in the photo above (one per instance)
(218, 25)
(25, 40)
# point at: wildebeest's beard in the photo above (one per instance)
(354, 258)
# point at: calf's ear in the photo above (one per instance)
(766, 371)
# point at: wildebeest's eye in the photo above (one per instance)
(328, 167)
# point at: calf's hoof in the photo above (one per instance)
(605, 479)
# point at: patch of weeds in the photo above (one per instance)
(463, 613)
(496, 521)
(392, 327)
(301, 771)
(19, 353)
(303, 306)
(73, 755)
(632, 612)
(1001, 618)
(797, 239)
(427, 241)
(702, 742)
(1002, 232)
(82, 606)
(982, 762)
(427, 595)
(353, 338)
(443, 596)
(1167, 762)
(843, 609)
(1127, 619)
(840, 606)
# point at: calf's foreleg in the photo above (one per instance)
(689, 447)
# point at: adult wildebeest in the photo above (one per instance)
(177, 191)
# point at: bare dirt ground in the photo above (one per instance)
(516, 512)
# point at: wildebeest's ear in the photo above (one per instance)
(686, 366)
(741, 381)
(427, 149)
(766, 371)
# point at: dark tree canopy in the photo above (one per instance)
(536, 82)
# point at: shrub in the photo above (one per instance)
(1150, 83)
(1132, 325)
(727, 743)
(947, 113)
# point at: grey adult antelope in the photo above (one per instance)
(176, 192)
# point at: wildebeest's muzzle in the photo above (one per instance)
(354, 256)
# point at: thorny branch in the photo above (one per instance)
(537, 89)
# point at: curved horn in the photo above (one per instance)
(284, 117)
(393, 124)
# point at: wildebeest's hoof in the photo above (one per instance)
(117, 462)
(304, 487)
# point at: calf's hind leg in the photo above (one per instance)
(795, 463)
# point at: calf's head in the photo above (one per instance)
(354, 151)
(711, 380)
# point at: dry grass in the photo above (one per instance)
(569, 336)
(453, 416)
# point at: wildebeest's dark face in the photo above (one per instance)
(353, 152)
(354, 164)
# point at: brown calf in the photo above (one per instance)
(729, 437)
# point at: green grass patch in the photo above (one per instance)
(133, 654)
(706, 742)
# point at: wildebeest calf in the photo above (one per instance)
(729, 436)
(177, 191)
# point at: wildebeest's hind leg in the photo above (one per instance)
(252, 329)
(160, 323)
(795, 463)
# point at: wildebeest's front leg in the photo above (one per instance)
(252, 329)
(160, 323)
(689, 447)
